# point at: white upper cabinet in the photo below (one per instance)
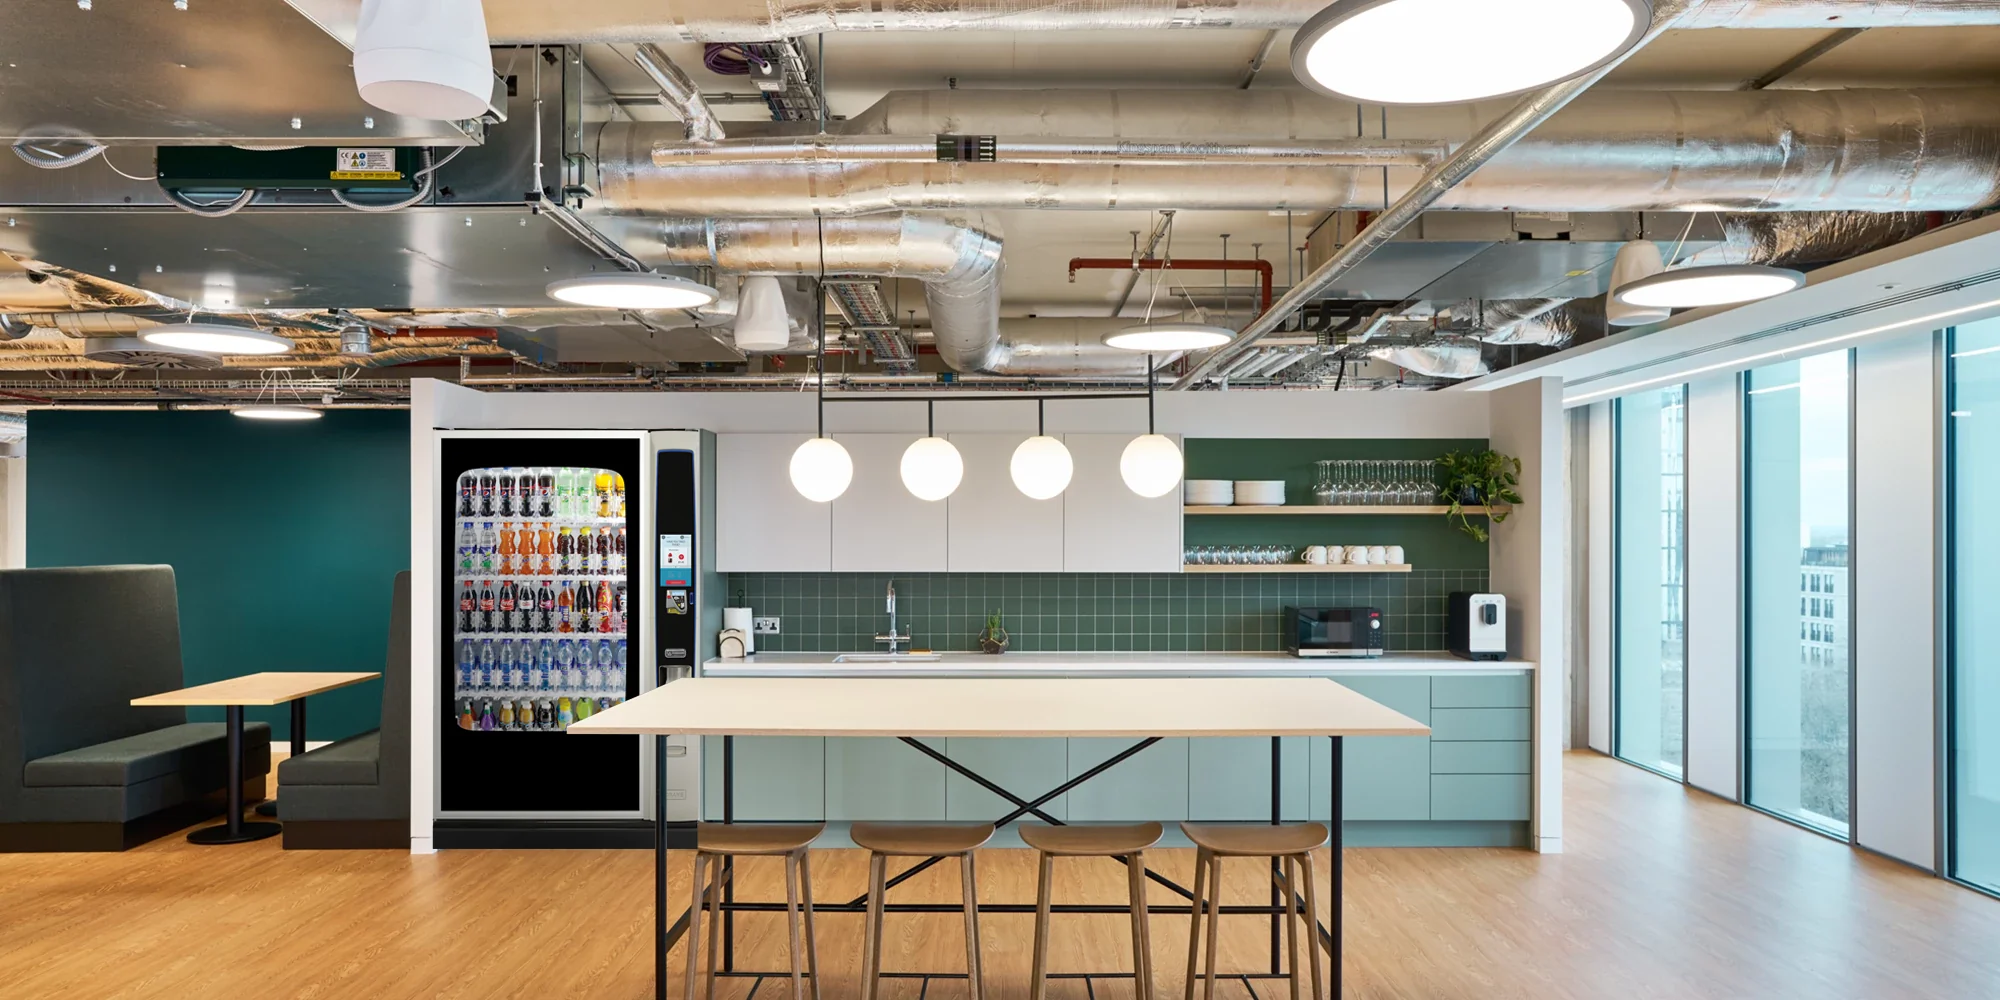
(762, 524)
(992, 526)
(878, 525)
(1107, 528)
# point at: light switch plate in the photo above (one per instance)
(766, 626)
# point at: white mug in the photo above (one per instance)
(1316, 555)
(1336, 555)
(1394, 554)
(1377, 555)
(1357, 554)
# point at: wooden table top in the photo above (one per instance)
(1040, 706)
(269, 688)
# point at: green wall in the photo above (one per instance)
(284, 538)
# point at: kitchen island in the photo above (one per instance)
(1466, 784)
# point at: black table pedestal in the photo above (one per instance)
(234, 830)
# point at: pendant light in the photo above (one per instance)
(424, 58)
(932, 467)
(1041, 466)
(1714, 285)
(821, 469)
(1152, 464)
(1160, 338)
(632, 290)
(1471, 49)
(1637, 261)
(277, 413)
(215, 338)
(761, 321)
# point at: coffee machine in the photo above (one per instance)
(1476, 626)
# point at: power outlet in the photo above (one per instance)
(766, 626)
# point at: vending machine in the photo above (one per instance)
(578, 570)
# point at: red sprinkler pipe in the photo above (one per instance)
(1262, 267)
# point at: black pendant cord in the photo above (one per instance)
(1149, 394)
(819, 321)
(930, 415)
(1041, 418)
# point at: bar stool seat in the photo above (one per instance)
(1126, 840)
(925, 840)
(715, 843)
(1290, 847)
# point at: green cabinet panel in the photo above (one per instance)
(1383, 777)
(1450, 724)
(1479, 796)
(882, 779)
(1025, 767)
(777, 777)
(1229, 778)
(1149, 785)
(1511, 757)
(1410, 695)
(1482, 691)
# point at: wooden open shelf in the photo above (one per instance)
(1292, 509)
(1301, 568)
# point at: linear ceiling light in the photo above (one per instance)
(1162, 338)
(1452, 51)
(214, 338)
(424, 58)
(1717, 285)
(277, 413)
(630, 290)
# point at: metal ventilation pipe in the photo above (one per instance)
(679, 94)
(537, 21)
(1750, 151)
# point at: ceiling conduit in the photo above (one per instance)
(1740, 151)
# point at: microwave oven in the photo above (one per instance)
(1312, 632)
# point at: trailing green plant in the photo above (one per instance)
(1470, 478)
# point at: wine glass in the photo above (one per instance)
(1323, 491)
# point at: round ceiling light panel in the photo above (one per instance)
(215, 338)
(630, 290)
(1719, 285)
(277, 413)
(1161, 338)
(1454, 51)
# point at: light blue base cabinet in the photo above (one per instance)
(1467, 784)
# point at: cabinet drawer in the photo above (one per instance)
(1408, 695)
(1451, 724)
(1509, 757)
(1479, 796)
(1482, 691)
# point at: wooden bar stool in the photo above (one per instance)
(1129, 841)
(715, 842)
(919, 840)
(1291, 843)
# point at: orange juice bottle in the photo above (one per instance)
(545, 546)
(564, 606)
(507, 550)
(525, 562)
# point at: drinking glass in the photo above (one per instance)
(1409, 490)
(1323, 491)
(1373, 488)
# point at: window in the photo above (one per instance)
(1973, 436)
(1651, 551)
(1797, 480)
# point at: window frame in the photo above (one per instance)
(1618, 578)
(1947, 590)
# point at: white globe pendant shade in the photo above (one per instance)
(1151, 465)
(631, 290)
(1718, 285)
(821, 470)
(761, 321)
(424, 58)
(1637, 261)
(214, 338)
(932, 468)
(1472, 49)
(1041, 467)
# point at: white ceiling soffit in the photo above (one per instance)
(1940, 279)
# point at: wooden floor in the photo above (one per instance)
(1662, 893)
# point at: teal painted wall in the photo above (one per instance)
(284, 538)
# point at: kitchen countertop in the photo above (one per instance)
(1106, 665)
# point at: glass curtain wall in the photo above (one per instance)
(1651, 599)
(1974, 431)
(1796, 590)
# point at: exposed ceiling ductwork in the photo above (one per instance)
(1755, 151)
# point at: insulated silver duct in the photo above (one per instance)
(1750, 151)
(679, 94)
(1133, 152)
(537, 21)
(1442, 359)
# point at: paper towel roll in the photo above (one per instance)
(740, 618)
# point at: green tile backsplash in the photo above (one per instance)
(1086, 612)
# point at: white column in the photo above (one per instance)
(1894, 574)
(1714, 572)
(1527, 567)
(14, 505)
(423, 612)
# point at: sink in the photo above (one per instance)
(888, 658)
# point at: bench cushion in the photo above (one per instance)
(195, 748)
(355, 760)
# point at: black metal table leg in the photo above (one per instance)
(1334, 864)
(270, 807)
(233, 830)
(660, 868)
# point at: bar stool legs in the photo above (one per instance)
(717, 846)
(1123, 841)
(1290, 846)
(1142, 938)
(970, 884)
(871, 955)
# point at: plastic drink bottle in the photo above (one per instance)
(564, 612)
(545, 602)
(573, 676)
(617, 495)
(607, 664)
(524, 604)
(565, 549)
(468, 608)
(565, 658)
(468, 492)
(604, 606)
(488, 603)
(488, 542)
(565, 713)
(468, 655)
(565, 490)
(618, 554)
(586, 605)
(504, 666)
(545, 546)
(468, 549)
(487, 658)
(504, 494)
(616, 682)
(545, 661)
(486, 720)
(545, 714)
(486, 494)
(503, 607)
(603, 494)
(503, 715)
(506, 547)
(545, 493)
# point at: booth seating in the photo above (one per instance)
(355, 793)
(81, 768)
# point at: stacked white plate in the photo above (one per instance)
(1260, 493)
(1208, 493)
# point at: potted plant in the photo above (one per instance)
(993, 638)
(1472, 478)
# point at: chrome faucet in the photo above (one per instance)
(892, 638)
